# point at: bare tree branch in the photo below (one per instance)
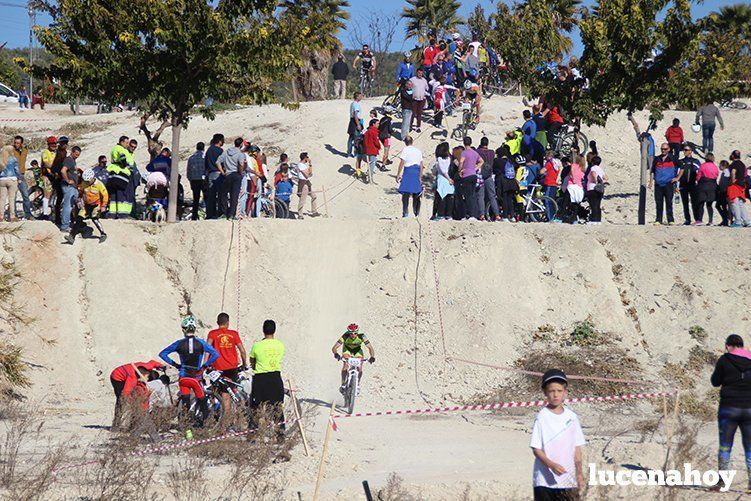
(376, 29)
(153, 145)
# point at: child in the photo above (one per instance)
(93, 200)
(674, 137)
(557, 439)
(384, 134)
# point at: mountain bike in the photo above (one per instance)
(270, 206)
(392, 102)
(352, 382)
(192, 415)
(36, 194)
(366, 83)
(468, 123)
(733, 105)
(535, 205)
(494, 82)
(569, 138)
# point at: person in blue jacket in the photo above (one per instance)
(406, 69)
(192, 352)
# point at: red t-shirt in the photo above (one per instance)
(551, 174)
(554, 116)
(225, 341)
(428, 55)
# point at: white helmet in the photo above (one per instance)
(468, 84)
(456, 36)
(88, 175)
(696, 128)
(407, 54)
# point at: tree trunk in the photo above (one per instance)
(313, 75)
(174, 176)
(644, 177)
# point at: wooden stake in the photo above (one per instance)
(668, 433)
(297, 417)
(323, 452)
(325, 201)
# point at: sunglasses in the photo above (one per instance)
(664, 149)
(687, 149)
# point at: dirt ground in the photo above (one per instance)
(503, 289)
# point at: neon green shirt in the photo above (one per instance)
(353, 345)
(268, 355)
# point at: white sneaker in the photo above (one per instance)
(342, 388)
(358, 390)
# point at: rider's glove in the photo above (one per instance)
(371, 360)
(337, 356)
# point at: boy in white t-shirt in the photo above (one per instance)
(556, 443)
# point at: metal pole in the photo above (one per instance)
(31, 47)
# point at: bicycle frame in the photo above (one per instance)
(531, 198)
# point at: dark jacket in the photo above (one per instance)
(733, 374)
(340, 70)
(407, 99)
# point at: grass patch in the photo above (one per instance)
(698, 333)
(13, 370)
(584, 334)
(151, 249)
(78, 129)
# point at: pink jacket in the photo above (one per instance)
(708, 170)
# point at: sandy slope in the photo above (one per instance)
(97, 306)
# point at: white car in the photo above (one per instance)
(7, 95)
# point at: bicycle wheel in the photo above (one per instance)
(582, 142)
(540, 214)
(351, 393)
(737, 105)
(268, 208)
(281, 208)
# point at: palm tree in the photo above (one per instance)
(431, 18)
(734, 19)
(323, 19)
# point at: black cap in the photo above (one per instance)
(554, 375)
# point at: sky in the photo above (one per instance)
(14, 20)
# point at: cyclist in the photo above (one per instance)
(192, 352)
(227, 343)
(473, 95)
(93, 200)
(367, 63)
(351, 343)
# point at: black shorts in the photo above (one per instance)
(550, 494)
(267, 387)
(118, 387)
(231, 374)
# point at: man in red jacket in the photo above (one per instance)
(127, 383)
(372, 146)
(674, 137)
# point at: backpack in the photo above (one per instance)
(508, 170)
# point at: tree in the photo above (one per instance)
(530, 34)
(169, 55)
(376, 29)
(323, 19)
(478, 23)
(428, 19)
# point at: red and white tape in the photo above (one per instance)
(25, 120)
(507, 405)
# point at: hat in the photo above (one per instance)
(51, 140)
(63, 139)
(254, 149)
(456, 36)
(553, 375)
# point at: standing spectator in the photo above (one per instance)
(267, 392)
(596, 190)
(556, 443)
(550, 173)
(504, 170)
(57, 166)
(213, 176)
(23, 98)
(443, 201)
(384, 134)
(37, 98)
(48, 156)
(9, 179)
(232, 165)
(100, 169)
(734, 410)
(27, 177)
(737, 190)
(406, 69)
(708, 115)
(706, 189)
(69, 184)
(553, 120)
(196, 173)
(428, 55)
(407, 99)
(529, 132)
(420, 91)
(663, 180)
(372, 147)
(689, 166)
(541, 126)
(283, 184)
(304, 187)
(228, 344)
(487, 201)
(162, 163)
(340, 72)
(355, 123)
(674, 137)
(135, 178)
(470, 165)
(409, 177)
(118, 180)
(723, 183)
